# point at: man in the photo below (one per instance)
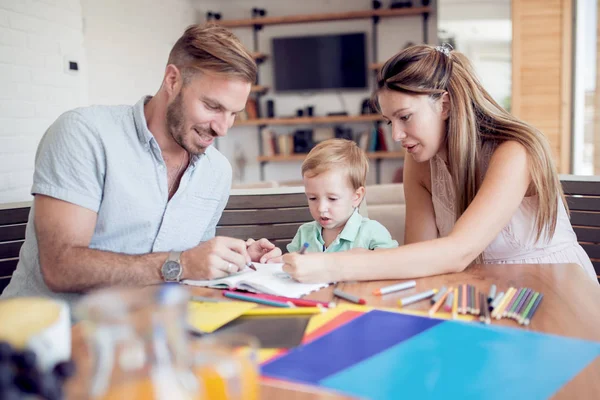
(121, 191)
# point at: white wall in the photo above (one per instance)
(37, 38)
(127, 44)
(393, 34)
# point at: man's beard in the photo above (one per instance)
(176, 127)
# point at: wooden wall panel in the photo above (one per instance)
(541, 78)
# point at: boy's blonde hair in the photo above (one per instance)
(338, 154)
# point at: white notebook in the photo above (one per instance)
(268, 278)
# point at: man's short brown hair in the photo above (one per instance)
(338, 154)
(212, 48)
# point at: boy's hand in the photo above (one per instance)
(308, 268)
(262, 250)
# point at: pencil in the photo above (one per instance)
(528, 308)
(257, 300)
(417, 297)
(449, 300)
(477, 301)
(464, 298)
(492, 294)
(395, 288)
(202, 299)
(251, 266)
(513, 303)
(496, 301)
(296, 302)
(349, 297)
(455, 304)
(304, 247)
(436, 306)
(519, 306)
(485, 311)
(536, 305)
(260, 311)
(500, 307)
(439, 294)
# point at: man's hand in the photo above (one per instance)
(213, 259)
(262, 251)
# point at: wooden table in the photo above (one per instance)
(571, 307)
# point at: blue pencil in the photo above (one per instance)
(304, 247)
(257, 300)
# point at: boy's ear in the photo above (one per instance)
(359, 195)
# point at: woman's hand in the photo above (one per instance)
(310, 268)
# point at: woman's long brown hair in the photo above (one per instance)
(474, 119)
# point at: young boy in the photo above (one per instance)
(334, 175)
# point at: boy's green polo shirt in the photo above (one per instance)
(359, 232)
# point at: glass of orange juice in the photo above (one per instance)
(226, 366)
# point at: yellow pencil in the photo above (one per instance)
(285, 311)
(500, 309)
(499, 306)
(455, 304)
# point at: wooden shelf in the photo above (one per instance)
(375, 155)
(376, 67)
(349, 15)
(259, 89)
(259, 57)
(336, 119)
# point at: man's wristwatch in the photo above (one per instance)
(172, 270)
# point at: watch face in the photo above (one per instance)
(171, 270)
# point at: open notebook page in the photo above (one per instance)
(268, 278)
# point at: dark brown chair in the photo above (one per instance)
(583, 198)
(272, 213)
(13, 220)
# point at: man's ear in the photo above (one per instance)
(173, 80)
(445, 99)
(359, 195)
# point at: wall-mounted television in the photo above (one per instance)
(320, 62)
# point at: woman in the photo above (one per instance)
(480, 185)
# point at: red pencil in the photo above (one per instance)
(296, 302)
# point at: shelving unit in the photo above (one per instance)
(342, 16)
(341, 119)
(375, 14)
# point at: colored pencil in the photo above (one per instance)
(509, 299)
(496, 301)
(349, 297)
(497, 313)
(439, 294)
(455, 304)
(485, 311)
(257, 300)
(521, 318)
(492, 294)
(449, 300)
(395, 288)
(417, 297)
(477, 301)
(202, 299)
(519, 306)
(264, 311)
(296, 302)
(513, 303)
(436, 306)
(464, 298)
(251, 266)
(536, 305)
(468, 309)
(303, 249)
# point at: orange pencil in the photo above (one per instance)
(464, 298)
(434, 308)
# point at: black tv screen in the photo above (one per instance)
(320, 62)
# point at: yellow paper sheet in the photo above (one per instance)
(208, 317)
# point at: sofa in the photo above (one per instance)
(385, 204)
